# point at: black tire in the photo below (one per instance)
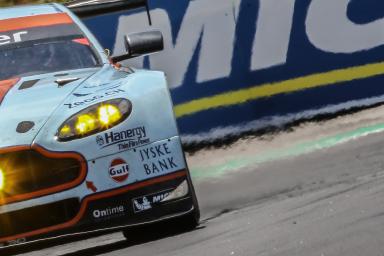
(191, 220)
(136, 234)
(183, 223)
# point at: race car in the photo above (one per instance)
(85, 143)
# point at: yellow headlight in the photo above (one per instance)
(2, 180)
(65, 130)
(109, 114)
(96, 118)
(85, 123)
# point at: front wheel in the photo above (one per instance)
(166, 228)
(191, 220)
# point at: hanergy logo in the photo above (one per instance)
(119, 170)
(126, 139)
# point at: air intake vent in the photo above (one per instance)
(38, 217)
(28, 84)
(30, 173)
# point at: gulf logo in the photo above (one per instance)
(119, 170)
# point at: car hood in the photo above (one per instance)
(32, 100)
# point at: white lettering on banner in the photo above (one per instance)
(213, 22)
(216, 27)
(217, 42)
(329, 28)
(274, 25)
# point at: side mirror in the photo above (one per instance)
(138, 44)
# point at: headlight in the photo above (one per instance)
(2, 180)
(94, 119)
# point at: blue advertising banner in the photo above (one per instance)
(241, 65)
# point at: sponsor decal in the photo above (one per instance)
(93, 99)
(127, 139)
(119, 170)
(12, 38)
(78, 94)
(111, 84)
(81, 94)
(141, 206)
(37, 27)
(147, 202)
(157, 159)
(108, 212)
(14, 242)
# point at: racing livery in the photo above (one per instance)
(85, 144)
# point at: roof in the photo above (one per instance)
(29, 10)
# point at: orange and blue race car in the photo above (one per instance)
(85, 144)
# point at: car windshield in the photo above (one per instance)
(40, 57)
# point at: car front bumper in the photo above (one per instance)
(101, 204)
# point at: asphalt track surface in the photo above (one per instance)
(328, 202)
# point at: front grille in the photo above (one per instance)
(29, 174)
(38, 217)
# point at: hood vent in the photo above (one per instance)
(24, 126)
(28, 84)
